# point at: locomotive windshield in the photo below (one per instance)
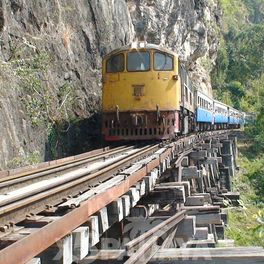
(115, 63)
(162, 62)
(138, 61)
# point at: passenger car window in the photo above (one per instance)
(138, 61)
(163, 62)
(115, 63)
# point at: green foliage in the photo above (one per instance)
(235, 14)
(232, 94)
(34, 92)
(246, 55)
(24, 160)
(256, 10)
(46, 106)
(224, 96)
(239, 73)
(246, 225)
(219, 73)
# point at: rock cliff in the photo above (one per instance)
(50, 59)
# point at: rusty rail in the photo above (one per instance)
(41, 239)
(142, 248)
(15, 212)
(49, 169)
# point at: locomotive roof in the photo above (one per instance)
(140, 46)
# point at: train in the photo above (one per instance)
(147, 94)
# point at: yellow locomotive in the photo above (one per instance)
(147, 94)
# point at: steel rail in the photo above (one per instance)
(47, 184)
(41, 239)
(14, 211)
(142, 248)
(73, 162)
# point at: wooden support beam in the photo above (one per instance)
(126, 205)
(228, 161)
(225, 178)
(208, 243)
(205, 146)
(59, 253)
(149, 183)
(198, 155)
(185, 162)
(80, 243)
(217, 145)
(210, 161)
(201, 233)
(224, 218)
(103, 220)
(219, 160)
(195, 201)
(226, 147)
(212, 150)
(220, 231)
(136, 226)
(34, 261)
(134, 196)
(186, 229)
(207, 197)
(142, 190)
(115, 211)
(152, 208)
(186, 184)
(165, 195)
(154, 174)
(191, 173)
(94, 235)
(205, 219)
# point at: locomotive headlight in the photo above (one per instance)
(175, 77)
(142, 44)
(134, 45)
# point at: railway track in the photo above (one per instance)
(48, 170)
(40, 207)
(34, 191)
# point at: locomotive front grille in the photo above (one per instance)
(138, 132)
(138, 125)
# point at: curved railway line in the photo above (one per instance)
(41, 205)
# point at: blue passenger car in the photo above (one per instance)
(220, 114)
(235, 118)
(203, 110)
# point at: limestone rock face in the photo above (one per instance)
(189, 27)
(70, 38)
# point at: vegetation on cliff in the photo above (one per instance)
(238, 80)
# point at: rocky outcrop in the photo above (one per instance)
(191, 28)
(69, 38)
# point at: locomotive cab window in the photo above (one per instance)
(138, 61)
(115, 63)
(163, 62)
